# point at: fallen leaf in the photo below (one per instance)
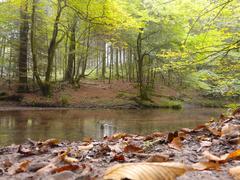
(186, 130)
(214, 131)
(19, 167)
(234, 155)
(202, 126)
(206, 166)
(51, 142)
(212, 157)
(118, 157)
(235, 172)
(118, 136)
(171, 136)
(87, 139)
(176, 143)
(132, 148)
(66, 168)
(70, 160)
(141, 171)
(158, 158)
(206, 144)
(85, 148)
(46, 170)
(25, 152)
(230, 129)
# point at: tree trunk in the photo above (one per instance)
(51, 50)
(23, 48)
(104, 62)
(72, 52)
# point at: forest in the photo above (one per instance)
(120, 89)
(194, 46)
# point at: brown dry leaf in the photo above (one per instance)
(19, 167)
(117, 157)
(142, 171)
(153, 136)
(206, 166)
(212, 157)
(25, 152)
(46, 170)
(118, 136)
(186, 130)
(203, 126)
(176, 143)
(214, 131)
(158, 158)
(234, 155)
(87, 139)
(66, 168)
(85, 148)
(230, 129)
(51, 142)
(235, 172)
(132, 148)
(70, 160)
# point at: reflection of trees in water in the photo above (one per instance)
(15, 127)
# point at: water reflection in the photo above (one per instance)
(17, 126)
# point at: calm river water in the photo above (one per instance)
(74, 124)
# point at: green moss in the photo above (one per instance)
(232, 106)
(164, 103)
(170, 104)
(210, 103)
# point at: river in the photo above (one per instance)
(74, 124)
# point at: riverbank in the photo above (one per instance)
(93, 94)
(208, 151)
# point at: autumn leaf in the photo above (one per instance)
(70, 160)
(206, 166)
(87, 139)
(65, 168)
(235, 172)
(132, 148)
(85, 148)
(142, 171)
(212, 157)
(117, 157)
(234, 155)
(230, 129)
(214, 131)
(158, 158)
(19, 167)
(46, 170)
(176, 144)
(51, 142)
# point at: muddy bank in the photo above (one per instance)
(210, 150)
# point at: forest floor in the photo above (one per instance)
(91, 94)
(210, 151)
(101, 94)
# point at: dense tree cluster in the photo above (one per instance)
(183, 43)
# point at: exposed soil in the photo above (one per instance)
(90, 94)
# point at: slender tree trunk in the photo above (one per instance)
(85, 61)
(23, 48)
(111, 64)
(104, 62)
(140, 58)
(3, 56)
(117, 64)
(51, 49)
(72, 52)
